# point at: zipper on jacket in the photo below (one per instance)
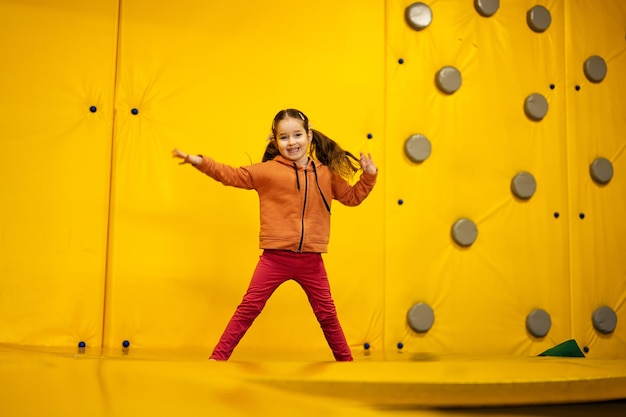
(306, 192)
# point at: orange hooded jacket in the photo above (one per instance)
(294, 200)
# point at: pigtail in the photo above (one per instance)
(329, 153)
(271, 151)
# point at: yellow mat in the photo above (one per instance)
(101, 382)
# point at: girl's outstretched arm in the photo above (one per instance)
(368, 164)
(226, 174)
(186, 158)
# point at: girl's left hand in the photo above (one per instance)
(368, 164)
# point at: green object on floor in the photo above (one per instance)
(567, 349)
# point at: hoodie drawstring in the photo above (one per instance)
(295, 167)
(318, 187)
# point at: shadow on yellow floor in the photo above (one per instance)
(97, 382)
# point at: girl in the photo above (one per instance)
(301, 173)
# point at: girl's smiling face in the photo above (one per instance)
(292, 140)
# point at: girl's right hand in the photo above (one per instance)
(186, 158)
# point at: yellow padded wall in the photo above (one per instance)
(529, 254)
(208, 78)
(100, 224)
(596, 123)
(57, 61)
(480, 140)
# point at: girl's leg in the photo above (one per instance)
(311, 275)
(270, 272)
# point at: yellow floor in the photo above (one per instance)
(111, 382)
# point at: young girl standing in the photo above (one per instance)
(301, 173)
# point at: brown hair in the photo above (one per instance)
(323, 148)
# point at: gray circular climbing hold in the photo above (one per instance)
(538, 323)
(604, 320)
(601, 170)
(538, 19)
(487, 8)
(536, 106)
(417, 148)
(464, 232)
(523, 185)
(595, 69)
(448, 79)
(418, 15)
(420, 317)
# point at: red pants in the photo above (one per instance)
(274, 268)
